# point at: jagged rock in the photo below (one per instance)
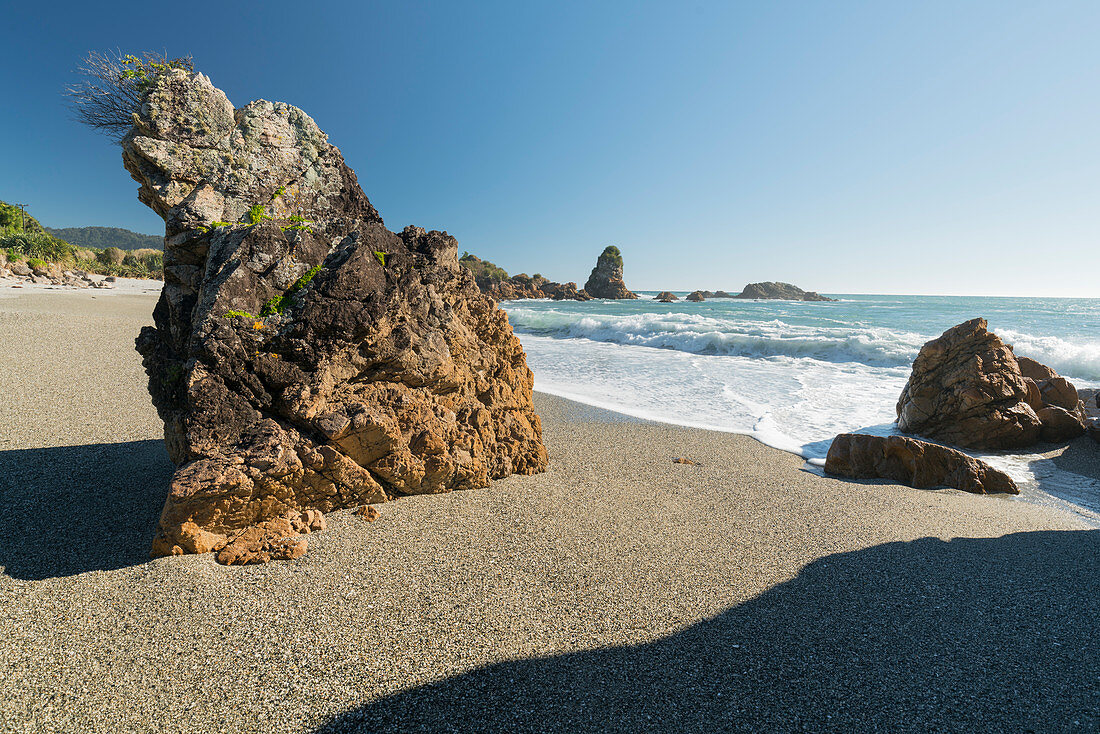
(695, 297)
(369, 513)
(1059, 424)
(779, 291)
(914, 463)
(1034, 370)
(305, 357)
(1034, 396)
(666, 297)
(495, 283)
(19, 267)
(523, 286)
(270, 540)
(967, 388)
(1059, 391)
(563, 291)
(606, 279)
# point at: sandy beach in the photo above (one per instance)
(617, 592)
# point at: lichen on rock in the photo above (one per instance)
(384, 372)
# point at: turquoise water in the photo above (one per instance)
(791, 374)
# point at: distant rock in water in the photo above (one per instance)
(914, 463)
(666, 297)
(695, 297)
(717, 294)
(780, 292)
(495, 283)
(967, 389)
(305, 358)
(606, 280)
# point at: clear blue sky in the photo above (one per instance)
(899, 147)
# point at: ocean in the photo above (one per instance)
(795, 374)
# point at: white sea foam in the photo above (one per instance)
(700, 334)
(1079, 359)
(790, 375)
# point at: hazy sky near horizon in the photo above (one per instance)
(846, 147)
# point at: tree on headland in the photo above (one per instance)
(115, 86)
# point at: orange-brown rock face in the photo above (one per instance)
(967, 389)
(304, 356)
(915, 463)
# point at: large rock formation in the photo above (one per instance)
(665, 297)
(696, 297)
(495, 283)
(606, 279)
(915, 463)
(779, 292)
(967, 389)
(304, 356)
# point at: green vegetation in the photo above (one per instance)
(144, 71)
(100, 237)
(279, 304)
(483, 270)
(245, 314)
(114, 87)
(278, 192)
(11, 218)
(381, 256)
(37, 243)
(612, 254)
(257, 213)
(35, 264)
(111, 256)
(298, 224)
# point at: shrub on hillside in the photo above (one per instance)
(111, 256)
(38, 245)
(483, 270)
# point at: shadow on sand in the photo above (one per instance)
(973, 634)
(72, 509)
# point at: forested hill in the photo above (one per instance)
(101, 237)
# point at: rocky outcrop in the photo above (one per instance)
(967, 389)
(522, 286)
(716, 294)
(695, 297)
(666, 297)
(495, 283)
(780, 292)
(17, 273)
(305, 357)
(914, 463)
(606, 280)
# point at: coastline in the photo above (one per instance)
(618, 553)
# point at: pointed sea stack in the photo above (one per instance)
(606, 280)
(304, 356)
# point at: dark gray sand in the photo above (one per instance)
(618, 592)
